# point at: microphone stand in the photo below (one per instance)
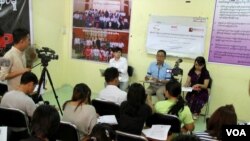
(177, 72)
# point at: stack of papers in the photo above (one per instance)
(109, 119)
(186, 89)
(42, 90)
(3, 133)
(157, 132)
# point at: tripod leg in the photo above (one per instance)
(50, 81)
(37, 97)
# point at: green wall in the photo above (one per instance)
(52, 21)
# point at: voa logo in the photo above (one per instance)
(236, 132)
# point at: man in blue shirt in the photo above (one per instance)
(158, 75)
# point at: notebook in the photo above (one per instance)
(158, 132)
(3, 133)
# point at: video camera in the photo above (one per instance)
(46, 54)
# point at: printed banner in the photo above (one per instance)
(99, 26)
(230, 40)
(13, 14)
(178, 36)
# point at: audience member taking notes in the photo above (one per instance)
(175, 105)
(79, 111)
(19, 98)
(112, 93)
(134, 112)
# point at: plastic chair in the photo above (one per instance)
(123, 136)
(206, 106)
(106, 108)
(3, 89)
(15, 118)
(130, 71)
(67, 132)
(172, 120)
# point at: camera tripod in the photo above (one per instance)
(42, 80)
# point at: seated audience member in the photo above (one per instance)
(185, 137)
(101, 132)
(157, 72)
(198, 79)
(121, 64)
(44, 123)
(112, 92)
(19, 98)
(175, 105)
(134, 111)
(78, 111)
(224, 115)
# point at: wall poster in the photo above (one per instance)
(230, 39)
(178, 36)
(99, 26)
(13, 14)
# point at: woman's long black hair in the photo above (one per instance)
(201, 61)
(135, 98)
(81, 92)
(174, 89)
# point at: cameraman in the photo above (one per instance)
(16, 56)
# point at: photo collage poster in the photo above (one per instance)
(98, 27)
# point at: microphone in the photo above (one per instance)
(179, 60)
(4, 62)
(177, 63)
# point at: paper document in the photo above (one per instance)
(42, 90)
(186, 89)
(157, 132)
(3, 133)
(110, 119)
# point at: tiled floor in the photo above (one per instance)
(64, 93)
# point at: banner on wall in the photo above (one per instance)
(230, 40)
(178, 36)
(99, 26)
(13, 14)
